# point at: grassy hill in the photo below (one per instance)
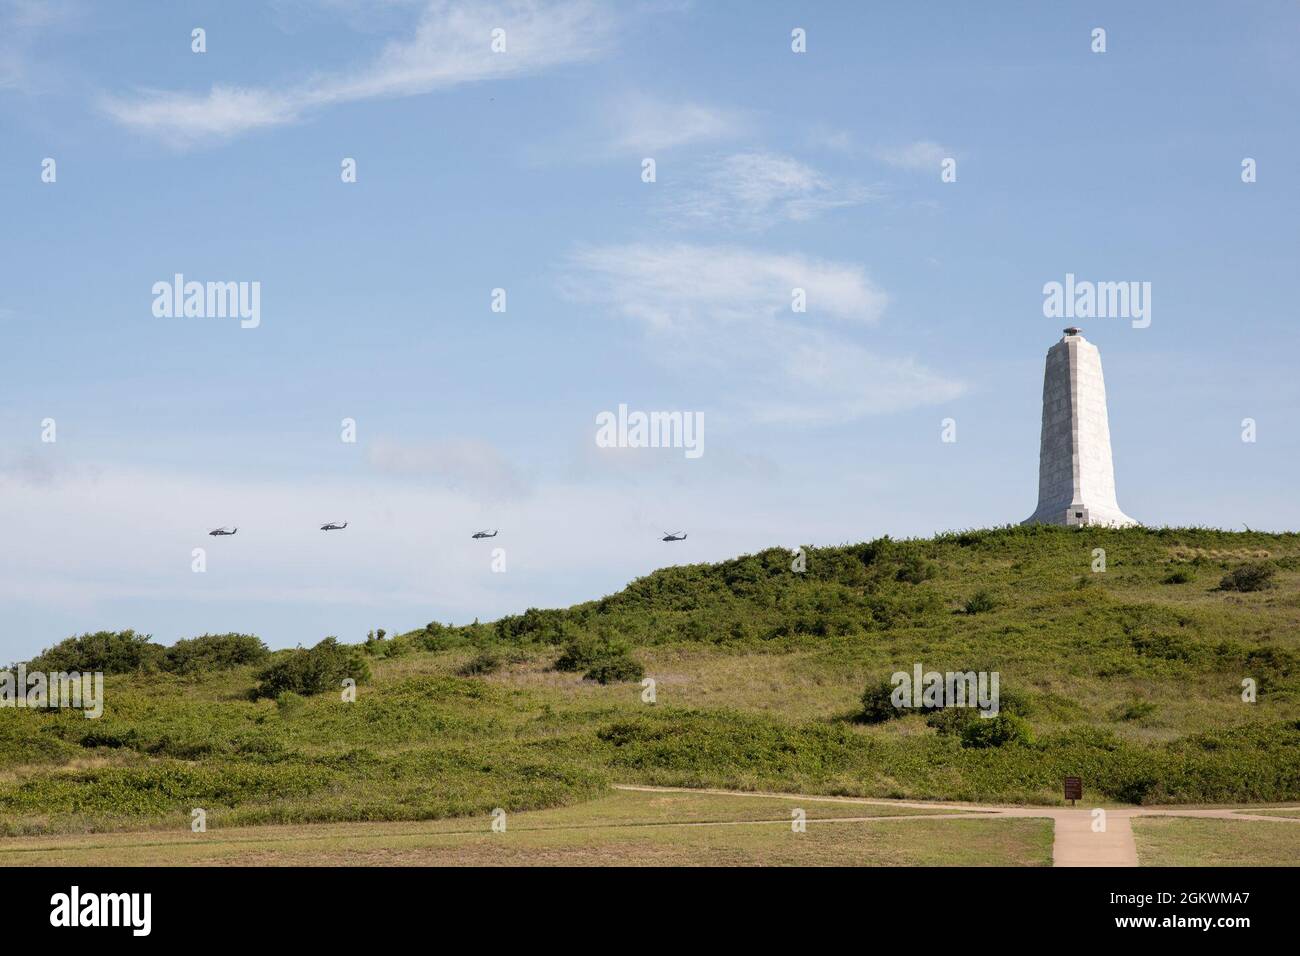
(1130, 677)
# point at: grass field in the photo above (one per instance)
(1171, 841)
(624, 829)
(1131, 678)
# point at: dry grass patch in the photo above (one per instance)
(628, 828)
(1184, 841)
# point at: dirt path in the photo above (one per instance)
(1081, 837)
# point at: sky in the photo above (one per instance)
(523, 168)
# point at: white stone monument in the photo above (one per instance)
(1076, 477)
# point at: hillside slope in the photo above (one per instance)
(1130, 677)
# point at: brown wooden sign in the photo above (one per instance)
(1073, 789)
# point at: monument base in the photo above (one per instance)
(1081, 516)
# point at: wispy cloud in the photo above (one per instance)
(36, 470)
(632, 126)
(822, 136)
(11, 70)
(22, 23)
(920, 155)
(726, 311)
(474, 467)
(642, 123)
(451, 46)
(754, 190)
(682, 285)
(37, 14)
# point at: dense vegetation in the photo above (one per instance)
(1131, 677)
(126, 652)
(312, 671)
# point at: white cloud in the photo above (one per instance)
(632, 127)
(726, 311)
(450, 46)
(831, 378)
(754, 190)
(822, 136)
(643, 123)
(920, 155)
(475, 467)
(36, 14)
(683, 285)
(11, 70)
(22, 24)
(32, 469)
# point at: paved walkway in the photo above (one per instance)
(1075, 842)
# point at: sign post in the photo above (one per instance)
(1073, 789)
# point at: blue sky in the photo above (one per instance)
(522, 170)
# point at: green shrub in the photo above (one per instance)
(997, 731)
(323, 667)
(533, 626)
(396, 647)
(915, 569)
(615, 668)
(954, 720)
(1014, 702)
(111, 652)
(213, 652)
(600, 658)
(289, 704)
(951, 720)
(1180, 576)
(377, 646)
(1137, 710)
(109, 738)
(582, 652)
(486, 661)
(877, 705)
(440, 637)
(980, 603)
(1133, 786)
(1248, 577)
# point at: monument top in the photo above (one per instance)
(1073, 330)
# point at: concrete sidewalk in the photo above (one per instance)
(1076, 844)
